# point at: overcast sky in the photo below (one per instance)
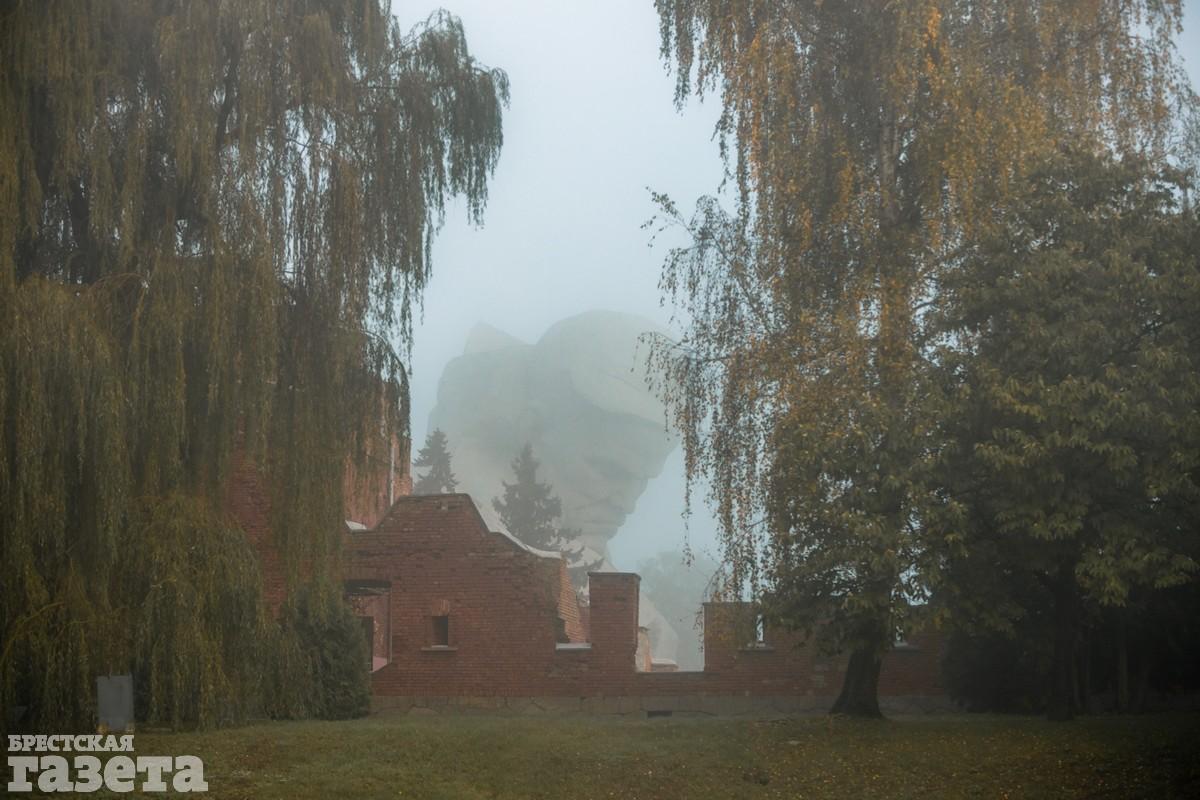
(591, 126)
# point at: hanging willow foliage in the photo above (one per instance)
(865, 140)
(214, 221)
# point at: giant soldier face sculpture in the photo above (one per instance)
(579, 396)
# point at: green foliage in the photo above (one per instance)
(189, 589)
(1073, 367)
(331, 640)
(436, 458)
(865, 141)
(530, 508)
(1071, 376)
(214, 220)
(60, 554)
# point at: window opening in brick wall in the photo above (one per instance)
(441, 630)
(368, 628)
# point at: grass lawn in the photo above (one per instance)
(468, 757)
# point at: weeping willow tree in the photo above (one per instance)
(215, 219)
(863, 141)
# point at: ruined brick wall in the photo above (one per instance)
(509, 609)
(370, 487)
(377, 609)
(574, 623)
(366, 492)
(783, 664)
(914, 668)
(248, 503)
(614, 621)
(643, 657)
(504, 604)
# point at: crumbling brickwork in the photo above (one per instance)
(369, 490)
(454, 610)
(506, 608)
(248, 503)
(515, 630)
(370, 487)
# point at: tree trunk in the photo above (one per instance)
(1122, 664)
(1062, 706)
(860, 687)
(1076, 683)
(1087, 706)
(1143, 682)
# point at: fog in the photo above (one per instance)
(591, 128)
(965, 318)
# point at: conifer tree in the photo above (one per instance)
(435, 457)
(530, 509)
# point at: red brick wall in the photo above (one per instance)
(365, 491)
(783, 664)
(585, 619)
(508, 608)
(378, 608)
(643, 657)
(505, 605)
(568, 602)
(614, 621)
(368, 488)
(248, 502)
(503, 600)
